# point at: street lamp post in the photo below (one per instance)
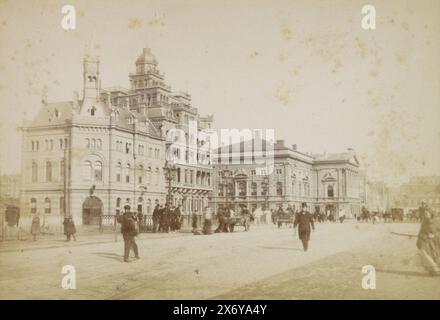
(170, 171)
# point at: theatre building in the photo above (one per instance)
(326, 182)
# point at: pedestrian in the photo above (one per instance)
(304, 220)
(69, 228)
(177, 217)
(194, 223)
(341, 215)
(140, 220)
(156, 217)
(428, 240)
(35, 227)
(207, 221)
(129, 232)
(161, 219)
(166, 218)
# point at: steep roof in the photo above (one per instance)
(53, 113)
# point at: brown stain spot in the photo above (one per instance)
(253, 55)
(374, 73)
(401, 57)
(361, 47)
(134, 24)
(286, 32)
(283, 95)
(404, 25)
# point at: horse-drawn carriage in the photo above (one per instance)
(243, 220)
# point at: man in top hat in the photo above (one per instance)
(304, 221)
(129, 232)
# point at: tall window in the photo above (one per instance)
(99, 144)
(127, 174)
(62, 168)
(34, 172)
(98, 171)
(47, 206)
(33, 205)
(118, 172)
(242, 188)
(48, 171)
(87, 170)
(149, 175)
(330, 191)
(254, 189)
(264, 189)
(141, 174)
(279, 188)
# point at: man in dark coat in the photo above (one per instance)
(156, 217)
(128, 230)
(69, 228)
(304, 220)
(177, 217)
(35, 227)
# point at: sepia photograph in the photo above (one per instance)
(246, 150)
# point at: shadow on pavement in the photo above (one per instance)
(405, 273)
(113, 256)
(282, 248)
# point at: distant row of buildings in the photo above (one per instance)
(89, 157)
(409, 195)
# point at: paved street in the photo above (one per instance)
(265, 263)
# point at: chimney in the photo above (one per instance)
(294, 147)
(280, 143)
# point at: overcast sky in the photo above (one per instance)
(305, 68)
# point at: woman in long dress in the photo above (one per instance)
(428, 241)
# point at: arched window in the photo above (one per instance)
(98, 171)
(254, 189)
(61, 144)
(51, 144)
(149, 175)
(88, 143)
(93, 145)
(330, 191)
(99, 144)
(140, 174)
(118, 172)
(33, 205)
(48, 171)
(279, 188)
(242, 189)
(87, 170)
(34, 171)
(127, 173)
(47, 206)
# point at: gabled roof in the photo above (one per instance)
(53, 113)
